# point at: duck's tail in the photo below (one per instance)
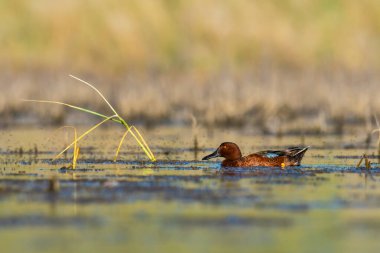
(295, 154)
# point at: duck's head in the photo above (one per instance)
(228, 150)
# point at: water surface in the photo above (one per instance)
(181, 203)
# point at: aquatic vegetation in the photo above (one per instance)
(377, 130)
(367, 162)
(195, 130)
(115, 117)
(76, 148)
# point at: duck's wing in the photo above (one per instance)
(271, 153)
(291, 156)
(289, 152)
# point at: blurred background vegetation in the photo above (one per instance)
(267, 65)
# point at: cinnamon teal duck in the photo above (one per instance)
(291, 156)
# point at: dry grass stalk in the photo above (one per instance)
(367, 162)
(377, 130)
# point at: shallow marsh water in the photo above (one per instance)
(181, 203)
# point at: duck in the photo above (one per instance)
(231, 153)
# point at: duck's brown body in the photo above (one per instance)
(273, 158)
(258, 160)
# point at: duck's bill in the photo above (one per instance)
(213, 155)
